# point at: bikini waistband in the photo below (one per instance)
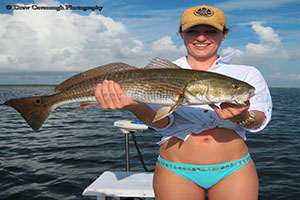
(214, 167)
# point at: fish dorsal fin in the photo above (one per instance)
(92, 73)
(159, 63)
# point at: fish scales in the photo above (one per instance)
(160, 86)
(150, 86)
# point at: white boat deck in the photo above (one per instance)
(121, 184)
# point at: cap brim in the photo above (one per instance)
(191, 24)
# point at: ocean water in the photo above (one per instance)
(75, 146)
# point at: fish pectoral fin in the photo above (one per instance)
(164, 111)
(88, 104)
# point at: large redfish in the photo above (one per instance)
(160, 82)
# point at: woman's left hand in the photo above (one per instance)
(232, 112)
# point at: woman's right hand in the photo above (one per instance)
(110, 96)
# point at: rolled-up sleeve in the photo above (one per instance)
(262, 100)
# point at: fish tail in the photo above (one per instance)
(34, 110)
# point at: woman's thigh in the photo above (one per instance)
(169, 185)
(242, 184)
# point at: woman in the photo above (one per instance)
(203, 147)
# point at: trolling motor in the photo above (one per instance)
(127, 127)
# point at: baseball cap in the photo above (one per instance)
(203, 15)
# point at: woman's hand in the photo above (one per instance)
(110, 96)
(232, 112)
(238, 113)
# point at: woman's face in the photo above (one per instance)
(202, 41)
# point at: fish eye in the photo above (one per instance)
(235, 86)
(38, 101)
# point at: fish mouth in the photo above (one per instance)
(241, 99)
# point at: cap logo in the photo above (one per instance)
(204, 12)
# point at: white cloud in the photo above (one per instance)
(64, 40)
(269, 47)
(229, 50)
(266, 34)
(270, 56)
(165, 46)
(284, 80)
(290, 77)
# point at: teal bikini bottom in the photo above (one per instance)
(205, 175)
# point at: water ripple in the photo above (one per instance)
(75, 146)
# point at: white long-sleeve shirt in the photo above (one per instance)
(198, 118)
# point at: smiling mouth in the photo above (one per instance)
(201, 45)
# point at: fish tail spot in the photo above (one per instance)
(32, 109)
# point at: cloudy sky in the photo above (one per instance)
(46, 47)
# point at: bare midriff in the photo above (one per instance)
(213, 146)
